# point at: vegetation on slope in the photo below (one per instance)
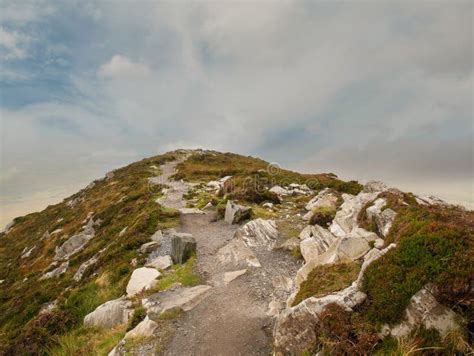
(251, 177)
(125, 200)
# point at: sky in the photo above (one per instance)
(364, 89)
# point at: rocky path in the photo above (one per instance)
(233, 319)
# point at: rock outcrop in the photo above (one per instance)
(424, 310)
(142, 278)
(259, 233)
(183, 246)
(384, 218)
(326, 198)
(295, 328)
(76, 242)
(237, 254)
(181, 298)
(110, 314)
(56, 272)
(235, 213)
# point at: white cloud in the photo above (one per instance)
(122, 67)
(14, 44)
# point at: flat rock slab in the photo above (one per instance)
(230, 276)
(184, 299)
(237, 253)
(185, 211)
(142, 278)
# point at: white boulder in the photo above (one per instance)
(142, 278)
(235, 213)
(110, 314)
(326, 198)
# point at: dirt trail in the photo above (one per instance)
(233, 319)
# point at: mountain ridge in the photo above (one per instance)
(102, 230)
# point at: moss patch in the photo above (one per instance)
(326, 279)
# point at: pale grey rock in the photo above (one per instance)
(279, 190)
(56, 272)
(235, 213)
(48, 307)
(110, 314)
(236, 253)
(346, 217)
(218, 184)
(161, 262)
(324, 199)
(384, 218)
(76, 242)
(142, 278)
(259, 233)
(274, 308)
(291, 244)
(267, 205)
(123, 231)
(230, 276)
(430, 200)
(149, 247)
(374, 187)
(315, 240)
(27, 252)
(183, 246)
(182, 298)
(85, 265)
(187, 211)
(424, 310)
(146, 328)
(157, 236)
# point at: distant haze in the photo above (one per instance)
(367, 90)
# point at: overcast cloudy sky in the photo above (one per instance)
(367, 90)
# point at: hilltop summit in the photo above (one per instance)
(206, 253)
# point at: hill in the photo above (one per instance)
(205, 252)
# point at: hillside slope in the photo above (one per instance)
(314, 264)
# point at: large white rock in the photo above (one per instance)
(374, 187)
(110, 314)
(149, 246)
(182, 298)
(259, 232)
(235, 213)
(295, 328)
(142, 278)
(346, 217)
(315, 241)
(237, 254)
(324, 199)
(425, 310)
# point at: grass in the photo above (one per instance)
(184, 274)
(326, 279)
(87, 341)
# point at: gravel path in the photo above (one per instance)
(233, 319)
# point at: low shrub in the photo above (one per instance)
(322, 216)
